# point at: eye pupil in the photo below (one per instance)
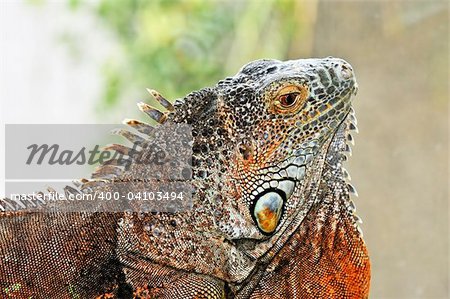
(288, 99)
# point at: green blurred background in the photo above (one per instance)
(180, 46)
(399, 50)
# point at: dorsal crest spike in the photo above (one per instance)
(133, 138)
(346, 174)
(124, 150)
(154, 113)
(139, 126)
(70, 191)
(353, 127)
(352, 190)
(162, 100)
(350, 139)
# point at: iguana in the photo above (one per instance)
(271, 215)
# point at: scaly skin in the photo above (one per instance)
(271, 215)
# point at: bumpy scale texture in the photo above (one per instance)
(271, 213)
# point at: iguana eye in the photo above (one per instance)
(290, 99)
(287, 100)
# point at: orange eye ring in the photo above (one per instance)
(290, 99)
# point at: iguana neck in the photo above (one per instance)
(328, 245)
(332, 251)
(325, 258)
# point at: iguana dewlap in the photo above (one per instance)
(271, 217)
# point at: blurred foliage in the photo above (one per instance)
(179, 46)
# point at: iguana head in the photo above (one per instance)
(260, 142)
(259, 134)
(278, 116)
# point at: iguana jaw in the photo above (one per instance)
(285, 182)
(303, 196)
(308, 193)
